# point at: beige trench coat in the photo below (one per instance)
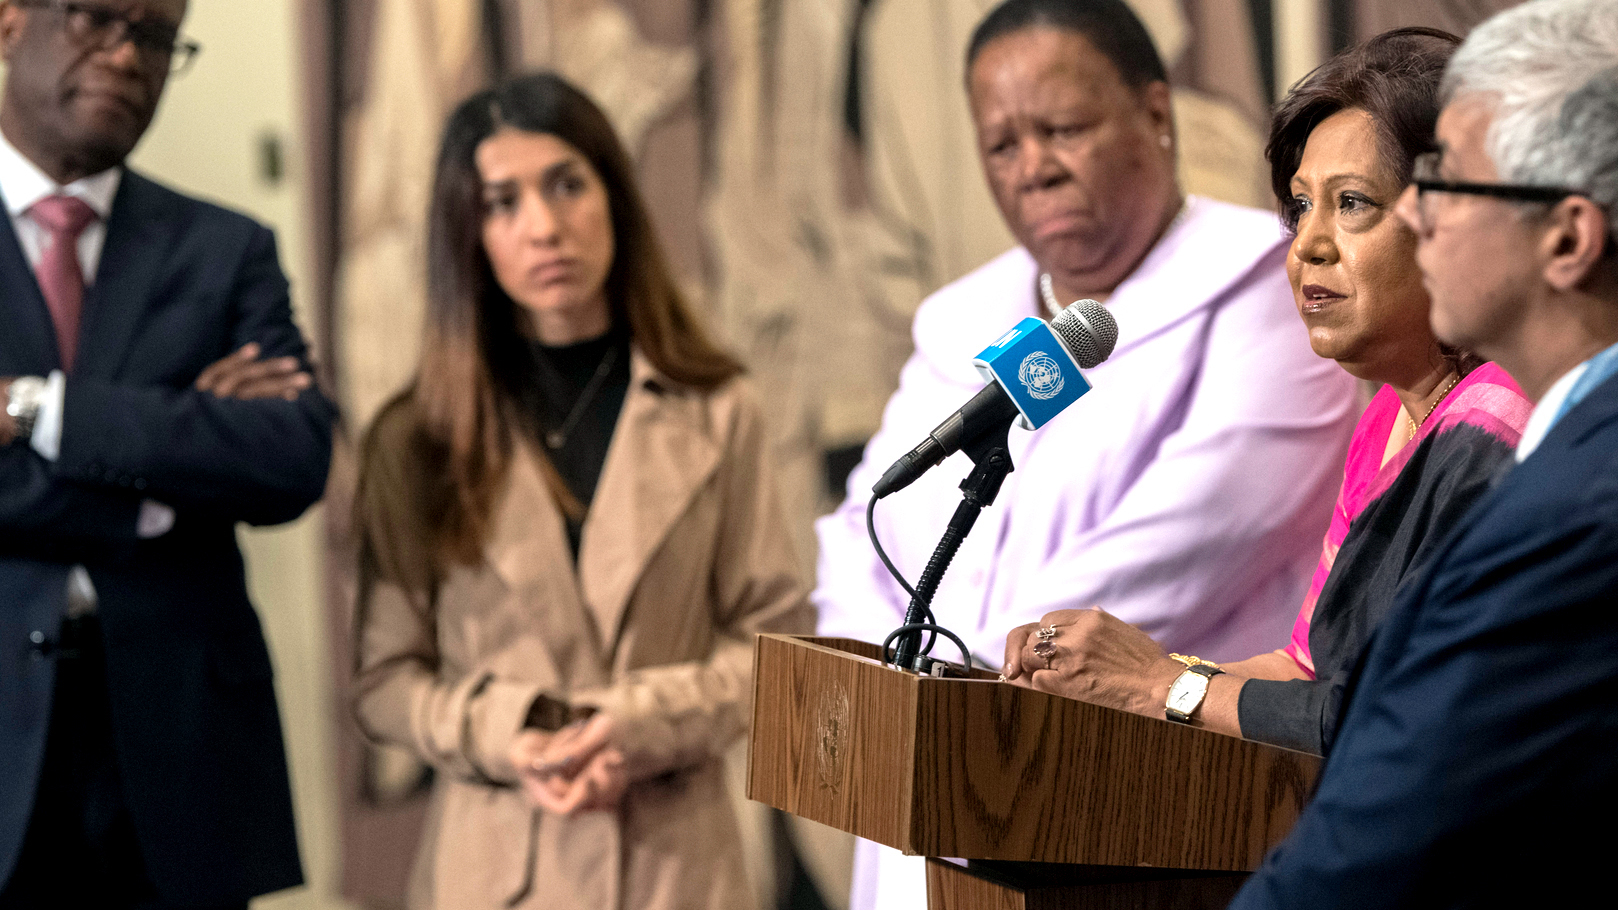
(685, 557)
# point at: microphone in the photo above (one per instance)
(1032, 373)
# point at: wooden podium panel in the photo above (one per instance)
(982, 770)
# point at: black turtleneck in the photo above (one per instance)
(563, 373)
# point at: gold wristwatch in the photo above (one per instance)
(1190, 688)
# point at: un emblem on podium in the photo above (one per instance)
(831, 737)
(1041, 375)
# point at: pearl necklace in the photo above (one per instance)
(1047, 294)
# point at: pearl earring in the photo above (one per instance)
(1164, 140)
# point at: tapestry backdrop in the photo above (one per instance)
(811, 168)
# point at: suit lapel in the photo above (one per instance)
(661, 455)
(1495, 534)
(139, 234)
(1591, 413)
(30, 338)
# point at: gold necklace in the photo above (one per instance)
(1414, 425)
(555, 439)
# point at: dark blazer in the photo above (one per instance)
(1477, 760)
(181, 284)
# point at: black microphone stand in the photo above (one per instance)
(991, 463)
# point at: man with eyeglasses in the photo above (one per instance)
(154, 391)
(1477, 759)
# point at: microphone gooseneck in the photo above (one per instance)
(989, 407)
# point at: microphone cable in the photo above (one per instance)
(932, 628)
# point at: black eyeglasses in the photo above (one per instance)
(1424, 177)
(92, 25)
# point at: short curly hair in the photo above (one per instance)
(1394, 77)
(1109, 25)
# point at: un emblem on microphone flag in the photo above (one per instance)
(1041, 375)
(1035, 369)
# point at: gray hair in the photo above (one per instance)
(1552, 69)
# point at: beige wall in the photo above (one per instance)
(1300, 41)
(205, 141)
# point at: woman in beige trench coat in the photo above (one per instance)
(569, 537)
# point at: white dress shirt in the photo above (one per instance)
(1545, 411)
(22, 184)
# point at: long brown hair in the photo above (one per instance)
(474, 359)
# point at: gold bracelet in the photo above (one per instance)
(1193, 661)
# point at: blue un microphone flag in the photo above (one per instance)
(1035, 370)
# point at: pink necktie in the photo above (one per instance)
(60, 275)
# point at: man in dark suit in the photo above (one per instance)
(155, 393)
(1477, 763)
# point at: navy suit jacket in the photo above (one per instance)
(180, 284)
(1477, 761)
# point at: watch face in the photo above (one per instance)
(1187, 692)
(23, 395)
(21, 402)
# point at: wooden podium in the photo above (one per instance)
(1052, 802)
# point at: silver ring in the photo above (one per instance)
(1046, 634)
(1045, 650)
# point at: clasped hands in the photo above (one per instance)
(1092, 656)
(575, 769)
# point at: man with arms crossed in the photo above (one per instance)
(1475, 762)
(155, 393)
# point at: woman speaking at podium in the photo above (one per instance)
(569, 536)
(1187, 487)
(1343, 146)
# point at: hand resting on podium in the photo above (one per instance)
(1098, 658)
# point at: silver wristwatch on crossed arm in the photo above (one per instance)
(23, 399)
